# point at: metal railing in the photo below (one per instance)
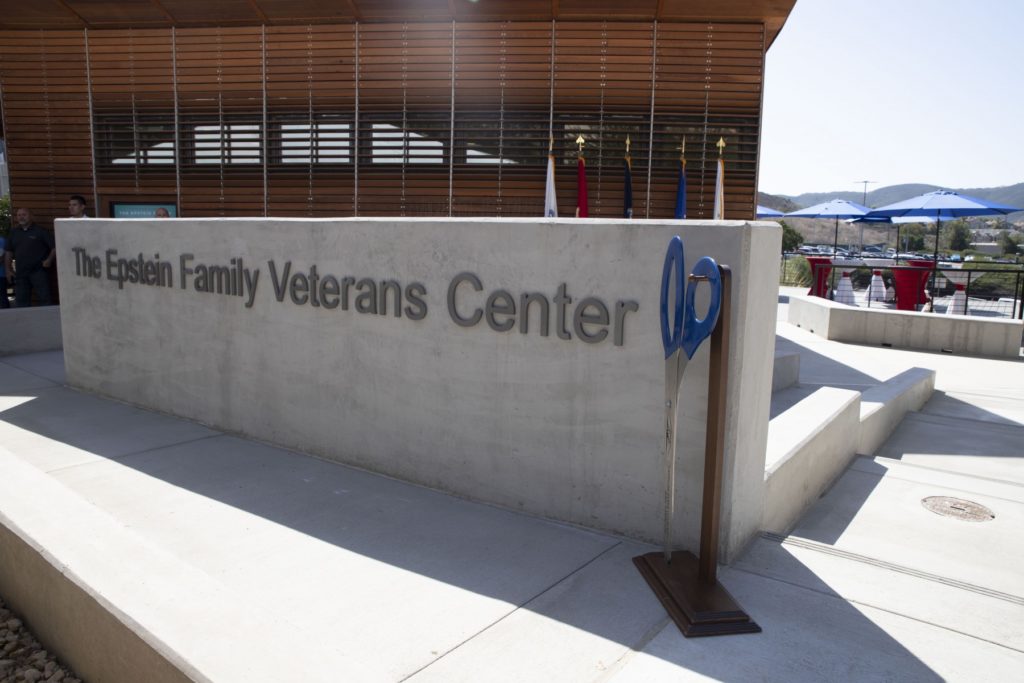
(977, 289)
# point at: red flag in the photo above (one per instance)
(581, 189)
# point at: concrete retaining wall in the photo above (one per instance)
(883, 407)
(809, 446)
(811, 443)
(564, 422)
(124, 613)
(785, 370)
(28, 330)
(906, 329)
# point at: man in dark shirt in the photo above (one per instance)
(32, 250)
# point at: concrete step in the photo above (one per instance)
(810, 635)
(786, 371)
(117, 606)
(876, 511)
(928, 596)
(995, 450)
(193, 555)
(809, 445)
(814, 432)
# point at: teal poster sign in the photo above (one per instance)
(132, 210)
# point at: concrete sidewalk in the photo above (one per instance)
(231, 560)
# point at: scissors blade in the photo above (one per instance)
(674, 366)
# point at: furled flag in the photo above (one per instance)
(550, 199)
(627, 184)
(719, 211)
(681, 187)
(581, 183)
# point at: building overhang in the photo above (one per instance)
(70, 14)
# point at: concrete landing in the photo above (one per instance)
(158, 549)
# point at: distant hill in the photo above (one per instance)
(1013, 195)
(776, 202)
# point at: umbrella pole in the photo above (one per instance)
(935, 263)
(835, 255)
(897, 244)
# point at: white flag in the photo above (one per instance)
(719, 211)
(550, 200)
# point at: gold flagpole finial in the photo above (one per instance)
(627, 145)
(721, 146)
(682, 149)
(580, 141)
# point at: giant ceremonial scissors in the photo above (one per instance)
(681, 333)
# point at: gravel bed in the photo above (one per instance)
(23, 659)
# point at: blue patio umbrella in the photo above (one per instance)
(765, 212)
(938, 205)
(834, 208)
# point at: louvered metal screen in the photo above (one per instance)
(375, 119)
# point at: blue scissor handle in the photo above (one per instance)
(696, 330)
(687, 331)
(670, 339)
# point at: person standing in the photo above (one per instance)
(76, 206)
(32, 251)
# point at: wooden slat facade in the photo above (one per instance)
(369, 117)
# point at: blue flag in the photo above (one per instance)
(681, 191)
(627, 187)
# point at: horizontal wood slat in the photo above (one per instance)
(424, 118)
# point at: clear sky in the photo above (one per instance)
(895, 91)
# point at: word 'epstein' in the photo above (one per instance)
(136, 270)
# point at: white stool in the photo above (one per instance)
(958, 304)
(844, 291)
(876, 290)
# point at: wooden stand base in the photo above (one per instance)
(699, 608)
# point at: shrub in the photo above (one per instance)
(796, 272)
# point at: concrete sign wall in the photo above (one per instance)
(517, 362)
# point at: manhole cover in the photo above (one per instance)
(958, 508)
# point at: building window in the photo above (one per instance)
(134, 140)
(233, 143)
(323, 142)
(392, 145)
